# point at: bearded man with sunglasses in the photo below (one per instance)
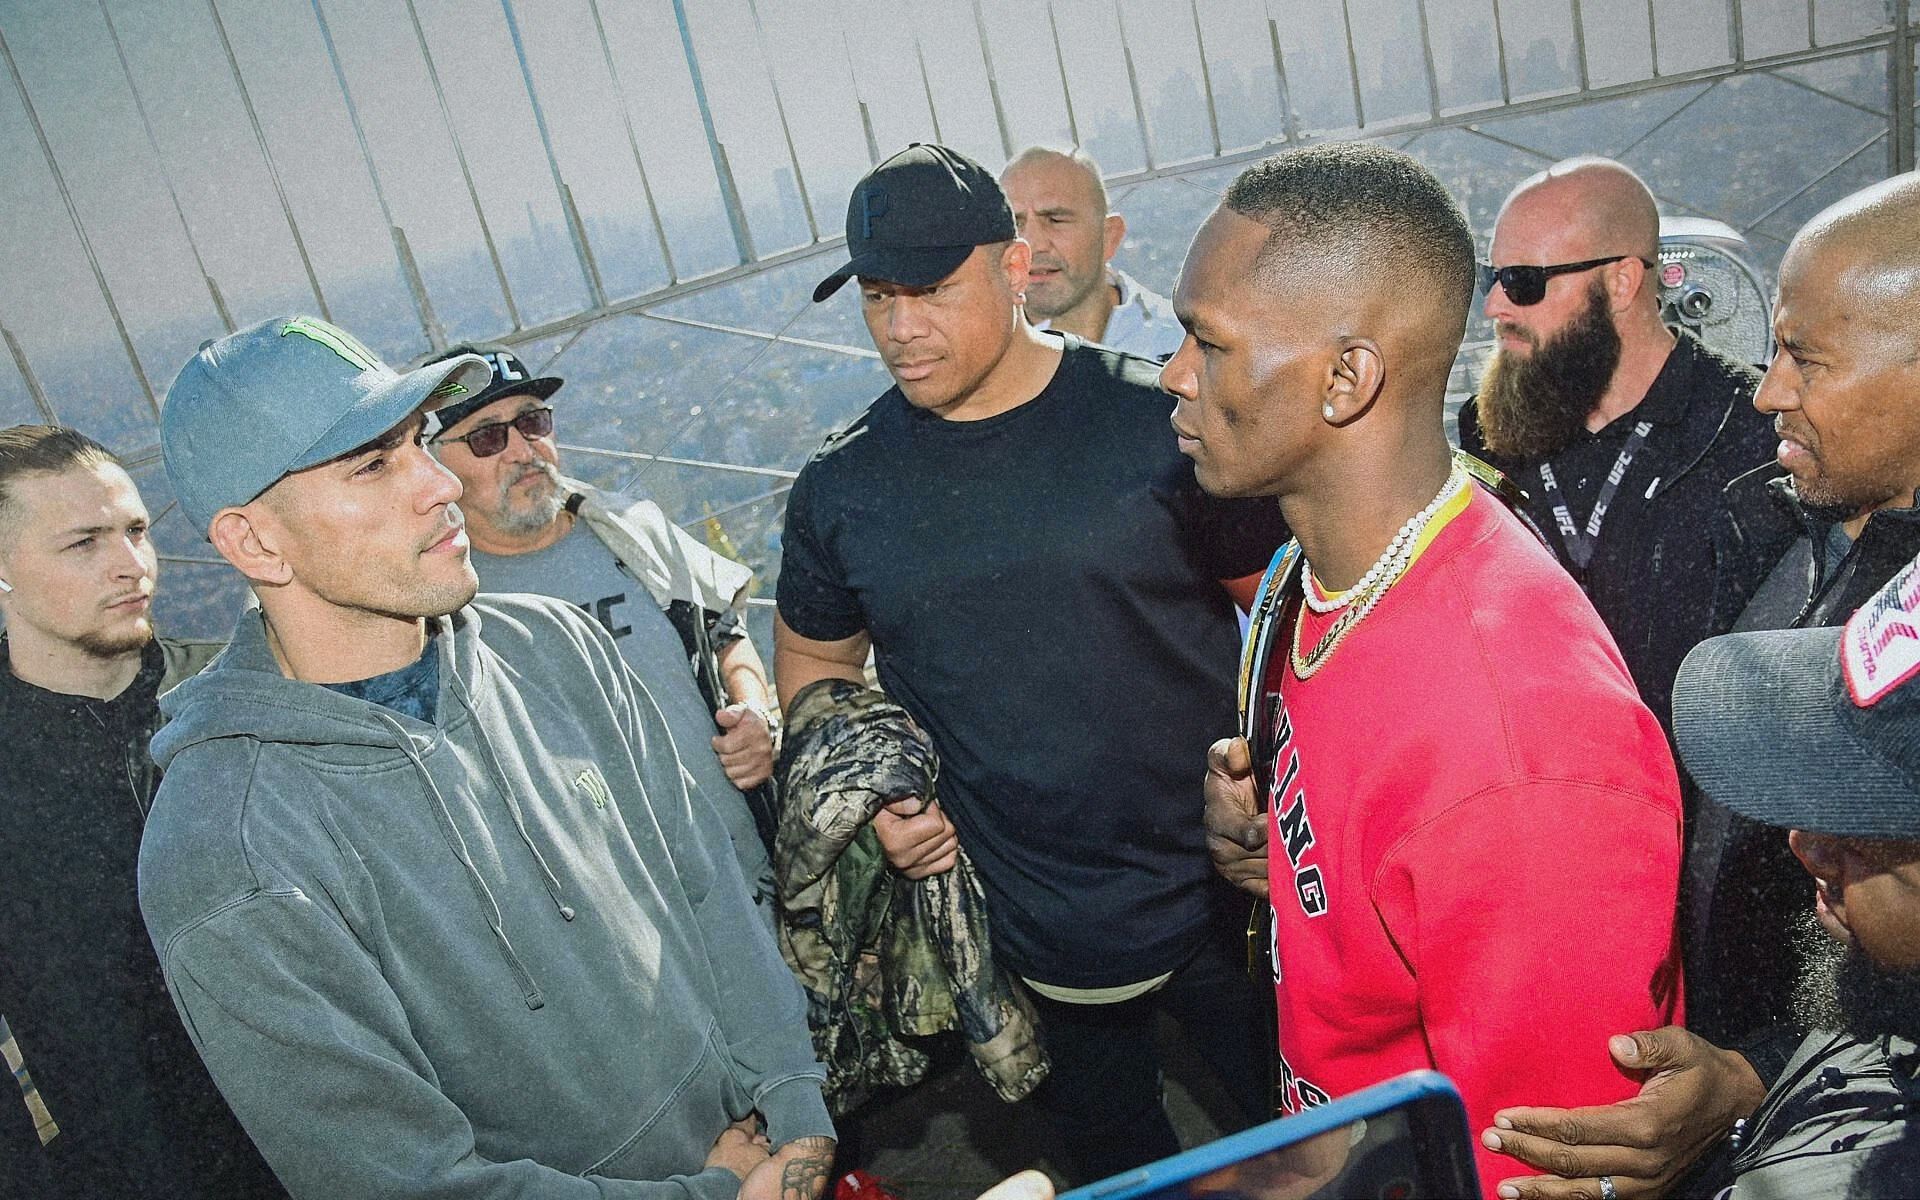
(1623, 433)
(670, 604)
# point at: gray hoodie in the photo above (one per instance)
(499, 955)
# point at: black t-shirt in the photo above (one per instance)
(139, 1117)
(1041, 589)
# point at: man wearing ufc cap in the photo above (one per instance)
(668, 602)
(423, 875)
(1818, 732)
(1013, 532)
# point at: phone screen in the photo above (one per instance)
(1413, 1152)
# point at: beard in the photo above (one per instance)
(1532, 407)
(537, 510)
(1842, 990)
(1066, 289)
(116, 645)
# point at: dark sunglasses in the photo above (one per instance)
(490, 439)
(1528, 285)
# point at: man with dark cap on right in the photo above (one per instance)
(1816, 734)
(1012, 531)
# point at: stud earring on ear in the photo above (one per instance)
(1326, 410)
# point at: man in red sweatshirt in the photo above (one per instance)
(1474, 821)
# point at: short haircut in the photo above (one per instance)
(1075, 155)
(1361, 209)
(43, 450)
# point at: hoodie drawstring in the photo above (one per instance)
(513, 806)
(529, 990)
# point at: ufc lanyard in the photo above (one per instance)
(1580, 543)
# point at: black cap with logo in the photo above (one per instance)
(510, 378)
(914, 218)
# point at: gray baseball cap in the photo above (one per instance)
(284, 395)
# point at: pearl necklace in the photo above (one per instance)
(1360, 599)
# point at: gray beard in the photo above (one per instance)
(1842, 990)
(536, 515)
(1534, 407)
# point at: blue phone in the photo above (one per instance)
(1405, 1139)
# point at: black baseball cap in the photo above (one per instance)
(510, 378)
(914, 218)
(1814, 729)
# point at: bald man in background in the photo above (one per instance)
(1060, 209)
(1843, 392)
(1623, 433)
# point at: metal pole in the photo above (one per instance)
(403, 254)
(1133, 86)
(1060, 64)
(1206, 75)
(166, 176)
(576, 229)
(79, 230)
(993, 82)
(729, 191)
(786, 129)
(1900, 63)
(466, 172)
(1289, 120)
(633, 143)
(1353, 66)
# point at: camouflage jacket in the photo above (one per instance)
(883, 958)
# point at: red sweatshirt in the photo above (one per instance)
(1475, 839)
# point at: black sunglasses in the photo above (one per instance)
(1528, 285)
(491, 438)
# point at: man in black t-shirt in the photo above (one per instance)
(122, 1106)
(1013, 532)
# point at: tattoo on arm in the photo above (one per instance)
(804, 1176)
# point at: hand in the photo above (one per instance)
(917, 844)
(740, 1148)
(1027, 1185)
(798, 1170)
(744, 747)
(1236, 830)
(1694, 1091)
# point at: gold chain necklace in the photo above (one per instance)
(1383, 574)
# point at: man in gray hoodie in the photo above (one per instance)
(424, 874)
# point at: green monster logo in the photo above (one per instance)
(595, 788)
(354, 350)
(335, 339)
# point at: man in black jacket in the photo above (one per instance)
(126, 1109)
(1622, 432)
(1805, 551)
(1817, 731)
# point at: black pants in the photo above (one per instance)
(1104, 1095)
